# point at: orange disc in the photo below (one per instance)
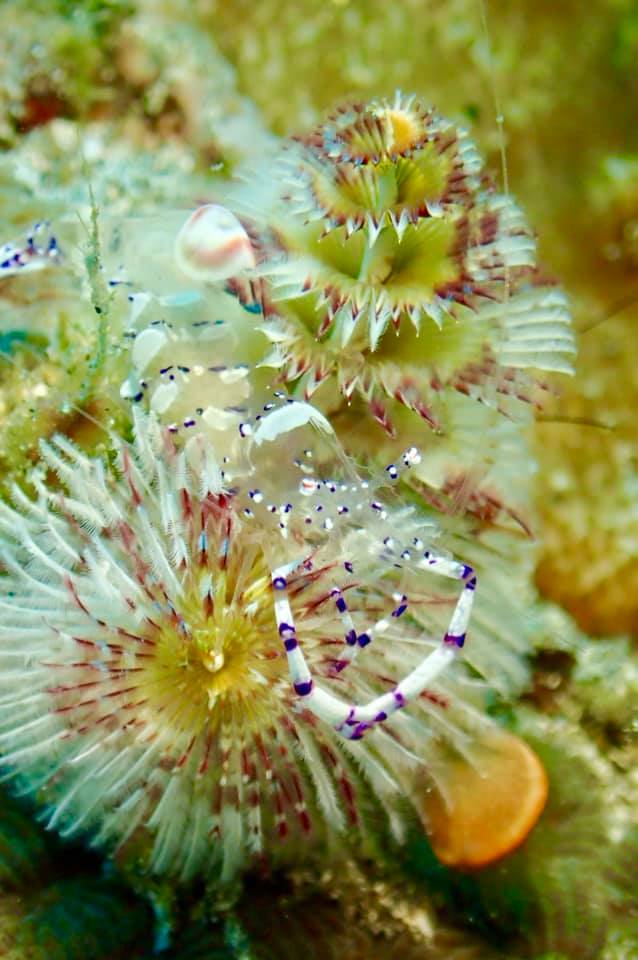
(484, 809)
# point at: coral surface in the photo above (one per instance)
(185, 587)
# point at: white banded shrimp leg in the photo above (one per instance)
(353, 641)
(39, 251)
(353, 720)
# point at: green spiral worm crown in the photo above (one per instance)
(401, 273)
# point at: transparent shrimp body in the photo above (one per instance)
(380, 550)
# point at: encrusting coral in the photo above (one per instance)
(73, 919)
(52, 905)
(372, 250)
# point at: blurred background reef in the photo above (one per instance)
(156, 103)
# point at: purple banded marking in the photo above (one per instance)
(303, 688)
(454, 640)
(340, 665)
(359, 731)
(351, 637)
(400, 610)
(286, 629)
(348, 566)
(380, 717)
(469, 576)
(364, 639)
(290, 643)
(342, 606)
(279, 583)
(399, 699)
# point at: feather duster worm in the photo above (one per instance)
(177, 660)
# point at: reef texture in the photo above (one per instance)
(204, 582)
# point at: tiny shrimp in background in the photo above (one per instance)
(39, 250)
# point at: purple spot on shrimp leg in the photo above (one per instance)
(454, 640)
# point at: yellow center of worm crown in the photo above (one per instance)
(222, 655)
